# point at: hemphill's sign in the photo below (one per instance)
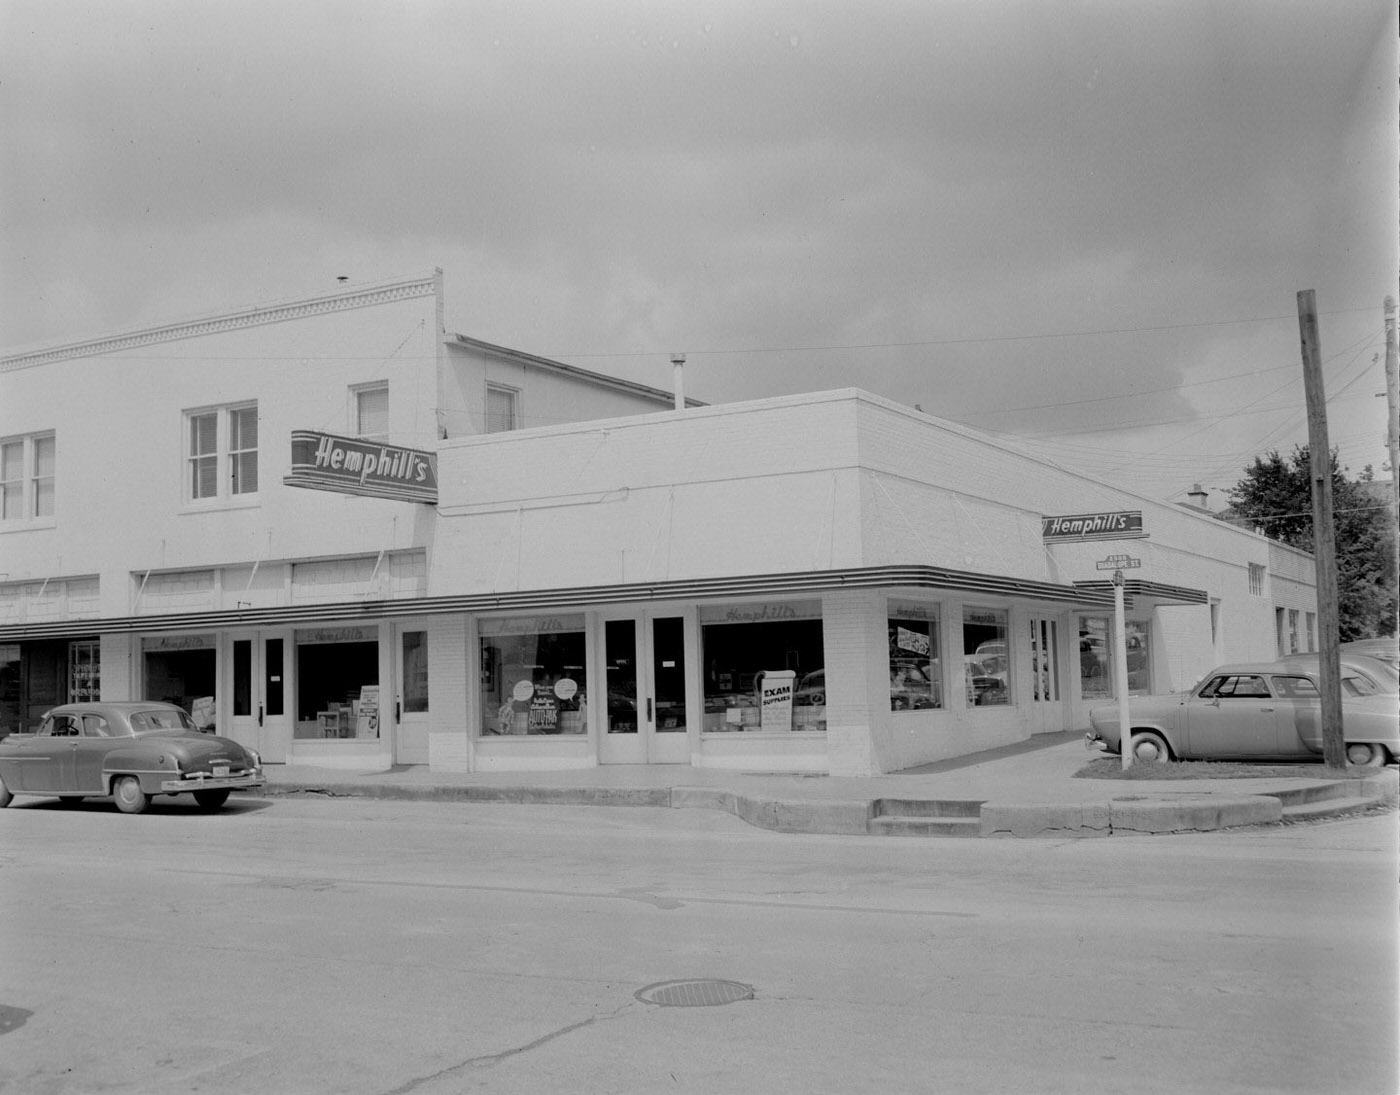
(352, 465)
(1123, 525)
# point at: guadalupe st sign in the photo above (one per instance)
(353, 465)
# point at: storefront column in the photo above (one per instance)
(450, 694)
(121, 666)
(857, 679)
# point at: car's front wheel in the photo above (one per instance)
(1366, 754)
(211, 800)
(1150, 747)
(129, 797)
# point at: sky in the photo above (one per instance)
(1081, 226)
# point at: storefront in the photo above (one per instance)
(37, 674)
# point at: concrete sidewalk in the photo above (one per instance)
(1024, 790)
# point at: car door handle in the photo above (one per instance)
(1266, 709)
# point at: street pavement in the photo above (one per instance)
(1024, 790)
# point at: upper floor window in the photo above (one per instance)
(1256, 579)
(372, 411)
(27, 467)
(222, 460)
(502, 408)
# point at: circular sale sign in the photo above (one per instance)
(523, 690)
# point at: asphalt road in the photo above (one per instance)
(289, 946)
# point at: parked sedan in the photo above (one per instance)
(130, 751)
(1253, 712)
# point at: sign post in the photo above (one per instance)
(1117, 563)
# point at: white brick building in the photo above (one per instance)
(824, 582)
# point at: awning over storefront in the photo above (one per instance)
(1155, 591)
(758, 585)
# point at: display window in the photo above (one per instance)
(765, 667)
(181, 669)
(915, 673)
(1096, 657)
(987, 657)
(534, 679)
(337, 683)
(10, 717)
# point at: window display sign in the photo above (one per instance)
(352, 465)
(775, 699)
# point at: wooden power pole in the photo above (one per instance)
(1324, 536)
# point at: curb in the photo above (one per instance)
(1167, 812)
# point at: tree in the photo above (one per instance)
(1275, 496)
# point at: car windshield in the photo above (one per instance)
(161, 719)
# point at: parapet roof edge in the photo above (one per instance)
(360, 296)
(536, 361)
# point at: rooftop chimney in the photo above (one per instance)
(1197, 494)
(677, 365)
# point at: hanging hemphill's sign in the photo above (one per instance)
(1122, 525)
(352, 465)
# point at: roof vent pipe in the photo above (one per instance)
(677, 367)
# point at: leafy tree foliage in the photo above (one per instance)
(1276, 497)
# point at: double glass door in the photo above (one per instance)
(260, 696)
(645, 717)
(1046, 683)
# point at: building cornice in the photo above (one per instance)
(255, 316)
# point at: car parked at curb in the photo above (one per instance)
(131, 751)
(1253, 711)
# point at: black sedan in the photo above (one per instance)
(131, 751)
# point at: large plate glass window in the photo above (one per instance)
(916, 679)
(986, 656)
(337, 682)
(533, 675)
(764, 667)
(182, 669)
(1095, 658)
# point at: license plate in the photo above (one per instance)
(220, 771)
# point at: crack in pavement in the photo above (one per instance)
(489, 1060)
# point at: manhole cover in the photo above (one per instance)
(694, 994)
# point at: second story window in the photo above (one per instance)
(222, 448)
(27, 474)
(371, 411)
(1256, 579)
(502, 408)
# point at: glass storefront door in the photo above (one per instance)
(1046, 684)
(258, 696)
(411, 694)
(645, 717)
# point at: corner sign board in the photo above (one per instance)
(1121, 525)
(353, 465)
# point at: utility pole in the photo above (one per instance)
(1324, 536)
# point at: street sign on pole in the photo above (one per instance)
(1118, 562)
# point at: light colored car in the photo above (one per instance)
(1253, 711)
(131, 751)
(1386, 650)
(1384, 676)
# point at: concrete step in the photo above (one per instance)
(900, 825)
